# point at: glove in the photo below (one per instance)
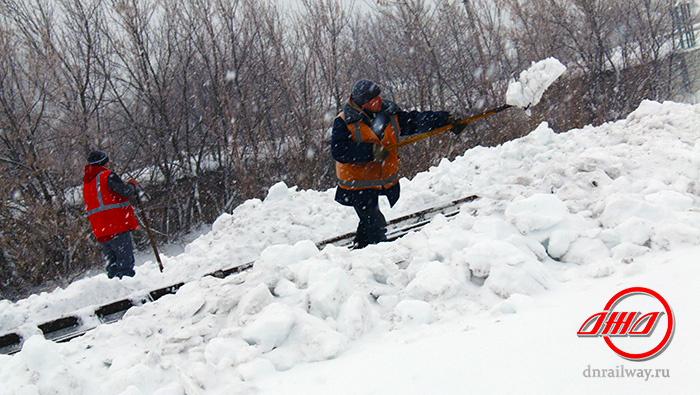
(457, 127)
(380, 153)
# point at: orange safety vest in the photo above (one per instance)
(109, 213)
(370, 175)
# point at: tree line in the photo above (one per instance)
(210, 102)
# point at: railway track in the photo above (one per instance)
(71, 326)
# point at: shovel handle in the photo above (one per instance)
(144, 222)
(445, 128)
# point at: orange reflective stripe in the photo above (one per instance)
(395, 125)
(369, 183)
(357, 137)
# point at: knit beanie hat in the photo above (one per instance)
(364, 91)
(97, 158)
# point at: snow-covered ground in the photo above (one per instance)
(489, 301)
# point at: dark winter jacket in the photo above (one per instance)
(344, 150)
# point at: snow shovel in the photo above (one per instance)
(523, 94)
(144, 222)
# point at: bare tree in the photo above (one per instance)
(41, 239)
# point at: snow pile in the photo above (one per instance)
(533, 82)
(286, 215)
(586, 206)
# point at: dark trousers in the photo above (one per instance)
(119, 253)
(372, 226)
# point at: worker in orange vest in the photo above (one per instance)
(365, 169)
(110, 213)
